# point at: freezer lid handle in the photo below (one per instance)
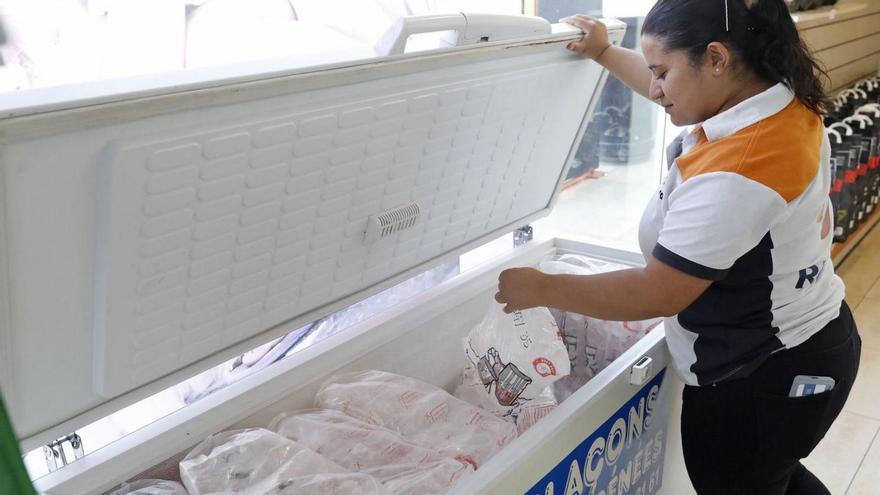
(466, 29)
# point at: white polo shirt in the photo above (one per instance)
(745, 204)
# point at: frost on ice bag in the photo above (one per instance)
(419, 412)
(260, 462)
(592, 344)
(511, 361)
(405, 468)
(150, 487)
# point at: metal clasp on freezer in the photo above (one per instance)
(522, 235)
(55, 451)
(641, 371)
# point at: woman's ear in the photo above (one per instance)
(718, 57)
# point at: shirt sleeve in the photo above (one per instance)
(713, 220)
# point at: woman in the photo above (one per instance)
(737, 242)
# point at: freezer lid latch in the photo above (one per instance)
(522, 235)
(54, 452)
(641, 371)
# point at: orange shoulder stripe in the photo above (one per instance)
(781, 152)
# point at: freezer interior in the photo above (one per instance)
(422, 337)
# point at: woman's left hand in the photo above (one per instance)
(520, 288)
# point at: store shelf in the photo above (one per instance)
(839, 251)
(843, 39)
(841, 11)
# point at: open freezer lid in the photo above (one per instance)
(149, 236)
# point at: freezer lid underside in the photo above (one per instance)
(216, 217)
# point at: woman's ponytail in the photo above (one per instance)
(761, 33)
(778, 54)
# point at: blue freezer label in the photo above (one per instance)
(624, 456)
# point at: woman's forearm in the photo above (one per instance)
(634, 294)
(615, 296)
(629, 66)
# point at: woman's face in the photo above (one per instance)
(690, 94)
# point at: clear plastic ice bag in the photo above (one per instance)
(405, 468)
(420, 412)
(592, 344)
(511, 361)
(524, 416)
(260, 462)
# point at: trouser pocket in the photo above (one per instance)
(791, 427)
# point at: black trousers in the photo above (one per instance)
(747, 437)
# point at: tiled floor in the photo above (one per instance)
(848, 459)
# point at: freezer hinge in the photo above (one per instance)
(522, 235)
(55, 451)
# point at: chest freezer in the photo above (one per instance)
(152, 232)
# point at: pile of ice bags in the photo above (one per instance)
(419, 412)
(375, 432)
(372, 432)
(592, 343)
(521, 365)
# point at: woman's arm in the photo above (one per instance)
(627, 65)
(634, 294)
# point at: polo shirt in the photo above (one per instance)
(745, 204)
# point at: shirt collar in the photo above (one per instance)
(748, 112)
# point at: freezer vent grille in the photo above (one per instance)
(392, 221)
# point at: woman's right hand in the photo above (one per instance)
(521, 288)
(595, 40)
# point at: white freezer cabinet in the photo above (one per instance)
(152, 229)
(610, 435)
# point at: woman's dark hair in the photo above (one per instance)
(761, 35)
